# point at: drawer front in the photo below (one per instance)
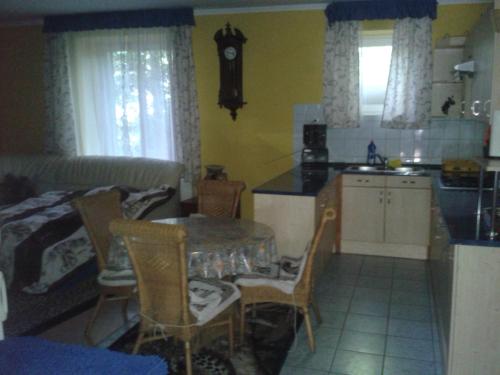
(411, 182)
(363, 180)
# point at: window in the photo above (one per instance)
(121, 85)
(374, 65)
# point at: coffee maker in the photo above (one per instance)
(314, 140)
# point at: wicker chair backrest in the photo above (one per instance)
(158, 255)
(322, 235)
(97, 211)
(219, 198)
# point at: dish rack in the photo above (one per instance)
(491, 217)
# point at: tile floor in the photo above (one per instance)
(377, 320)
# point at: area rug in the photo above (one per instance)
(30, 315)
(268, 338)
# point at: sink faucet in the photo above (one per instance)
(383, 160)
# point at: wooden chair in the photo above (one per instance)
(219, 198)
(297, 292)
(167, 300)
(97, 211)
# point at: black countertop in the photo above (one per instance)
(301, 181)
(458, 207)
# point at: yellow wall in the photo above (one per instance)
(282, 66)
(21, 89)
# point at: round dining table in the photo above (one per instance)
(220, 247)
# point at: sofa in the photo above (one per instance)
(58, 180)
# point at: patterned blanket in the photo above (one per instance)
(42, 239)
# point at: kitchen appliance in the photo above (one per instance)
(462, 175)
(314, 141)
(314, 175)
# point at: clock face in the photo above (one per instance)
(230, 53)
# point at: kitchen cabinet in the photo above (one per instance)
(441, 260)
(294, 219)
(465, 284)
(480, 47)
(361, 206)
(448, 53)
(291, 217)
(407, 216)
(386, 215)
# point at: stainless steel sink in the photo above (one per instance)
(374, 169)
(365, 168)
(409, 170)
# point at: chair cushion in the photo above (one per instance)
(135, 206)
(209, 297)
(285, 279)
(117, 278)
(118, 259)
(139, 203)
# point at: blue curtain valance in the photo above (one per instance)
(119, 20)
(358, 10)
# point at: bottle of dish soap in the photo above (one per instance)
(372, 150)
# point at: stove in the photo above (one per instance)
(458, 181)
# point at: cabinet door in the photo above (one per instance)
(291, 217)
(407, 216)
(324, 199)
(363, 214)
(480, 47)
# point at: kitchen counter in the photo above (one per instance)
(458, 208)
(300, 181)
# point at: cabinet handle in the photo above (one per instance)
(404, 182)
(322, 205)
(359, 180)
(381, 200)
(462, 108)
(367, 180)
(473, 108)
(487, 111)
(412, 182)
(388, 200)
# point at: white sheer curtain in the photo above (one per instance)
(125, 92)
(408, 99)
(341, 75)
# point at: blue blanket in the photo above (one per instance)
(34, 356)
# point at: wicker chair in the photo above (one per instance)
(296, 292)
(219, 198)
(97, 211)
(167, 307)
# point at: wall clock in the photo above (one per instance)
(230, 50)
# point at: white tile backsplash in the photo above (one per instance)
(445, 139)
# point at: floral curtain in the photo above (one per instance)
(341, 75)
(408, 99)
(60, 138)
(185, 104)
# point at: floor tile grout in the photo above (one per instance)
(352, 278)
